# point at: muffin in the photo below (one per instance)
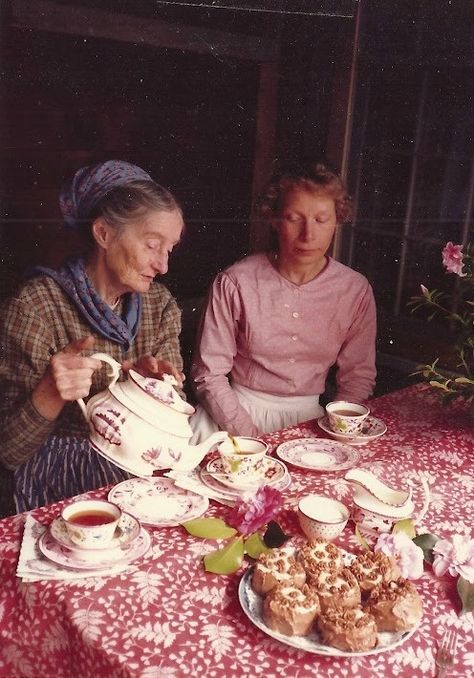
(335, 589)
(395, 606)
(372, 569)
(277, 567)
(290, 610)
(320, 553)
(350, 630)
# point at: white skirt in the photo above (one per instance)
(268, 412)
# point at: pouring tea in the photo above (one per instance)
(141, 424)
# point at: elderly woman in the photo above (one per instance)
(275, 323)
(105, 300)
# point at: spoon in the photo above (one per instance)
(235, 444)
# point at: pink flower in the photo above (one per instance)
(408, 556)
(452, 259)
(455, 556)
(248, 516)
(425, 291)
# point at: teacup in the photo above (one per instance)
(322, 517)
(345, 417)
(91, 522)
(242, 461)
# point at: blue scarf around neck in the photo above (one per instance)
(73, 279)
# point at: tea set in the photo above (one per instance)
(142, 425)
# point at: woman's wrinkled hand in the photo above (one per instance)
(149, 366)
(72, 372)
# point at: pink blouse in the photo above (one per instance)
(271, 335)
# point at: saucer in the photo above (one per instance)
(318, 454)
(127, 530)
(372, 429)
(232, 493)
(93, 560)
(271, 472)
(157, 501)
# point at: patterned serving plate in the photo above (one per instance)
(318, 454)
(372, 429)
(157, 501)
(271, 472)
(93, 560)
(232, 493)
(127, 530)
(251, 604)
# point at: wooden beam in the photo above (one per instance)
(267, 113)
(342, 113)
(43, 15)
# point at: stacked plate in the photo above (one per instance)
(157, 501)
(272, 473)
(130, 541)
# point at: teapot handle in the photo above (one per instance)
(114, 373)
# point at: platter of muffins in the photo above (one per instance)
(324, 600)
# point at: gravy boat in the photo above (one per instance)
(379, 506)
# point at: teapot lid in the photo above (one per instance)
(162, 390)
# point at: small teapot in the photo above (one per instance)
(378, 506)
(141, 424)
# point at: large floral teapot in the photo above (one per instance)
(141, 424)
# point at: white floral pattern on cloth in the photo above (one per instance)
(168, 618)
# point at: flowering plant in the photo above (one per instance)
(455, 556)
(241, 531)
(461, 263)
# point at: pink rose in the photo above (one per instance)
(455, 556)
(248, 516)
(452, 259)
(408, 556)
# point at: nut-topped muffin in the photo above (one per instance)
(372, 569)
(278, 566)
(396, 606)
(290, 610)
(335, 589)
(320, 553)
(350, 630)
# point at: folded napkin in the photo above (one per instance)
(191, 481)
(34, 566)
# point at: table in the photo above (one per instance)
(166, 617)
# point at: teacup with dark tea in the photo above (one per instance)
(346, 418)
(91, 523)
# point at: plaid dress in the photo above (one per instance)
(52, 459)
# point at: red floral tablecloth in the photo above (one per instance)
(167, 617)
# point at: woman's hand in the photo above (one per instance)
(67, 378)
(149, 366)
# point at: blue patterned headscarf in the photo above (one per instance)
(77, 201)
(89, 184)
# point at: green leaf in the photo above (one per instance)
(226, 560)
(466, 594)
(274, 536)
(254, 545)
(361, 539)
(426, 542)
(407, 526)
(209, 528)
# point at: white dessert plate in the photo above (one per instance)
(251, 604)
(93, 560)
(271, 473)
(318, 454)
(372, 429)
(231, 492)
(127, 530)
(157, 501)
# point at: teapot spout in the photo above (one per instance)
(196, 453)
